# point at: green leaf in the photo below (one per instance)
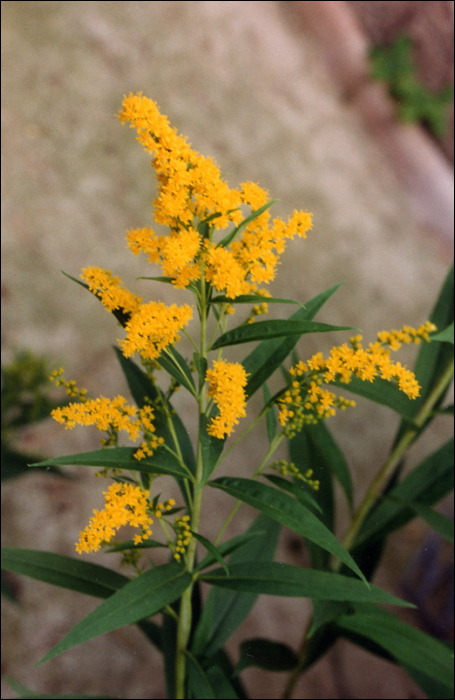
(296, 488)
(383, 392)
(211, 448)
(16, 464)
(160, 278)
(445, 336)
(268, 330)
(253, 299)
(243, 224)
(224, 610)
(332, 455)
(201, 366)
(212, 549)
(142, 597)
(437, 521)
(409, 646)
(228, 547)
(430, 481)
(265, 654)
(262, 362)
(66, 572)
(161, 462)
(119, 314)
(287, 511)
(270, 416)
(273, 578)
(178, 368)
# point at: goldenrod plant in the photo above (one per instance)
(222, 248)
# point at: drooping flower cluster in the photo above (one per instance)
(111, 416)
(226, 386)
(125, 505)
(306, 402)
(191, 188)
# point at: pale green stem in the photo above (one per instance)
(185, 613)
(370, 498)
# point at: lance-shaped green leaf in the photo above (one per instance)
(142, 597)
(145, 392)
(437, 521)
(161, 462)
(211, 448)
(295, 488)
(262, 362)
(23, 692)
(243, 224)
(207, 680)
(121, 316)
(430, 481)
(66, 572)
(177, 366)
(288, 512)
(273, 578)
(228, 547)
(211, 548)
(408, 645)
(270, 416)
(445, 336)
(380, 391)
(265, 654)
(268, 330)
(224, 610)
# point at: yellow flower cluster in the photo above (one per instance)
(306, 402)
(226, 386)
(190, 187)
(71, 388)
(153, 327)
(109, 289)
(125, 505)
(183, 532)
(111, 415)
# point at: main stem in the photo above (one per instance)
(186, 608)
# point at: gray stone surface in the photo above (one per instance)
(251, 91)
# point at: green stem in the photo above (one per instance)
(370, 498)
(185, 613)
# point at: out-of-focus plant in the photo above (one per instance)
(394, 65)
(221, 275)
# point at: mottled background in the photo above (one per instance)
(252, 85)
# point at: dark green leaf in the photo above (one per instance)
(437, 521)
(142, 597)
(273, 578)
(211, 448)
(262, 362)
(161, 462)
(228, 547)
(178, 368)
(265, 654)
(224, 610)
(16, 464)
(243, 224)
(268, 330)
(270, 416)
(212, 549)
(296, 488)
(409, 646)
(383, 392)
(445, 336)
(66, 572)
(24, 693)
(332, 455)
(286, 511)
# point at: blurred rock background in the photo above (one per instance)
(250, 84)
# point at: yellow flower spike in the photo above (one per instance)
(226, 386)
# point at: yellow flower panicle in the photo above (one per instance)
(111, 415)
(70, 386)
(153, 327)
(190, 187)
(306, 402)
(125, 505)
(288, 468)
(226, 386)
(109, 289)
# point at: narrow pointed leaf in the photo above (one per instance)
(381, 391)
(408, 645)
(140, 598)
(273, 578)
(262, 362)
(177, 366)
(268, 330)
(437, 521)
(445, 336)
(212, 549)
(243, 224)
(161, 462)
(211, 448)
(294, 488)
(253, 299)
(265, 654)
(227, 548)
(288, 512)
(334, 458)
